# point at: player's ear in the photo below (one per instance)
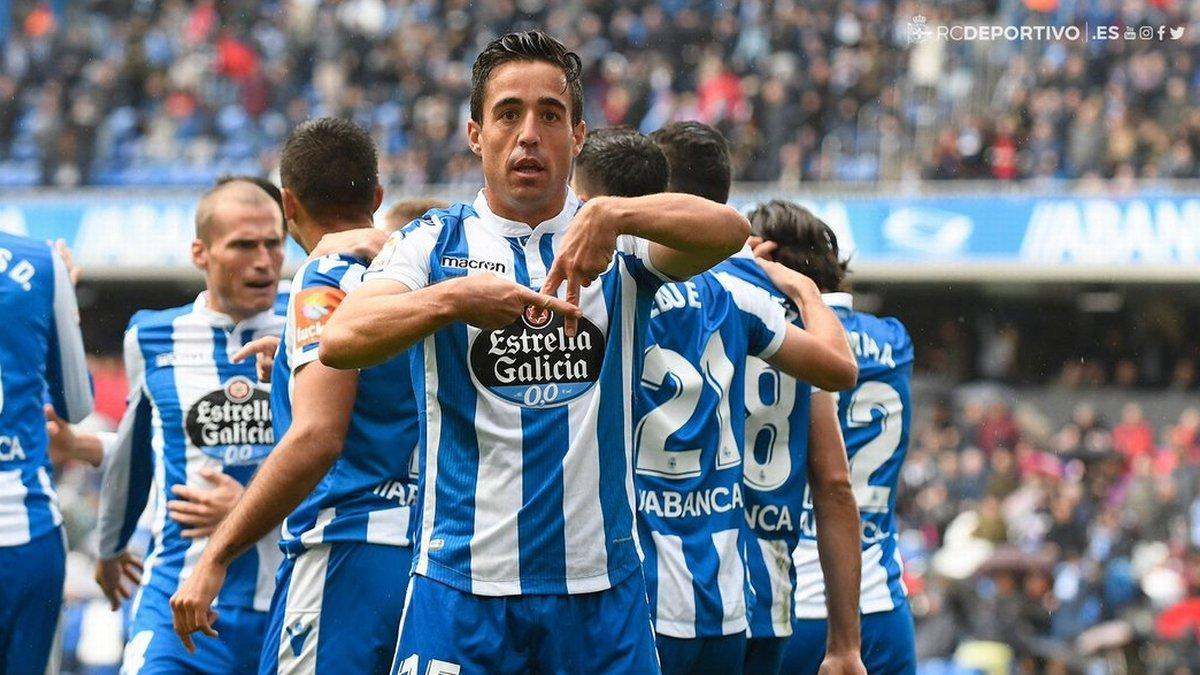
(579, 133)
(199, 255)
(290, 207)
(473, 129)
(378, 198)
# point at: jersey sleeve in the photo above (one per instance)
(128, 460)
(635, 252)
(319, 287)
(67, 375)
(405, 255)
(764, 319)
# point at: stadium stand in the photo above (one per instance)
(128, 92)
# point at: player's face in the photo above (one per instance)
(242, 261)
(526, 139)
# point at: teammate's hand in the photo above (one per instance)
(264, 351)
(363, 242)
(489, 302)
(762, 248)
(191, 606)
(586, 252)
(64, 252)
(202, 510)
(849, 663)
(798, 287)
(62, 436)
(111, 574)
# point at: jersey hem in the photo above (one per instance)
(568, 586)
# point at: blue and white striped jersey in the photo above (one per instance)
(688, 449)
(774, 466)
(367, 493)
(875, 419)
(525, 484)
(188, 408)
(41, 358)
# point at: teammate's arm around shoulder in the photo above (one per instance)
(838, 536)
(820, 353)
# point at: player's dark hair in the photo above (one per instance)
(806, 243)
(699, 159)
(620, 162)
(532, 45)
(330, 164)
(267, 186)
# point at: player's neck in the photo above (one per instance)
(216, 304)
(313, 233)
(532, 216)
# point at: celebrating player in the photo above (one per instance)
(689, 440)
(785, 439)
(193, 416)
(42, 351)
(526, 556)
(341, 468)
(875, 421)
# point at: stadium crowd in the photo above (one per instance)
(128, 92)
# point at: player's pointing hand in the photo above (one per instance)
(191, 606)
(489, 302)
(586, 251)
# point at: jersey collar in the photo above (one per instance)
(216, 319)
(512, 228)
(842, 300)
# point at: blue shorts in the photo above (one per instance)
(888, 645)
(154, 648)
(447, 630)
(337, 609)
(702, 656)
(31, 594)
(764, 656)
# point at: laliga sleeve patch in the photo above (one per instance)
(384, 256)
(312, 308)
(532, 363)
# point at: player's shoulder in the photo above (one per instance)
(330, 270)
(147, 320)
(888, 330)
(436, 222)
(741, 265)
(27, 247)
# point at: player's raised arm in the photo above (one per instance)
(820, 353)
(838, 535)
(687, 235)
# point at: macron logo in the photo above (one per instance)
(298, 633)
(455, 262)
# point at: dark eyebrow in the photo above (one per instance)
(548, 101)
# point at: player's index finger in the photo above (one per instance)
(554, 279)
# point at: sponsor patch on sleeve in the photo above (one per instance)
(311, 309)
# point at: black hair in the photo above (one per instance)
(532, 45)
(330, 164)
(620, 162)
(267, 186)
(699, 159)
(805, 243)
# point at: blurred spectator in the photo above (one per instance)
(133, 92)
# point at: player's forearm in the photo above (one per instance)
(289, 474)
(837, 360)
(840, 550)
(697, 232)
(839, 533)
(366, 331)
